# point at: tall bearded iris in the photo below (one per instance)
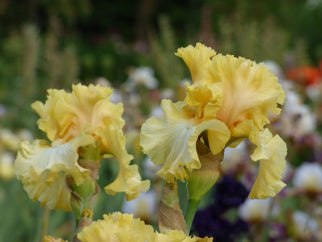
(228, 101)
(83, 126)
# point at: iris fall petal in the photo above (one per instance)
(271, 153)
(171, 141)
(43, 168)
(128, 179)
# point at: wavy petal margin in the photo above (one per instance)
(128, 179)
(271, 151)
(171, 140)
(64, 115)
(117, 227)
(198, 59)
(123, 227)
(43, 168)
(249, 91)
(230, 89)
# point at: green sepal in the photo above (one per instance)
(90, 152)
(84, 190)
(77, 206)
(201, 180)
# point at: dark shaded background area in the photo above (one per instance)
(51, 44)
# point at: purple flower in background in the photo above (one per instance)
(212, 221)
(221, 229)
(230, 193)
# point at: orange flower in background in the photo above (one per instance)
(305, 75)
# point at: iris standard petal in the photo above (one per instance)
(198, 59)
(249, 91)
(64, 115)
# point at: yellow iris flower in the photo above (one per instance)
(83, 117)
(43, 169)
(229, 98)
(123, 227)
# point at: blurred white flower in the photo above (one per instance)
(150, 169)
(134, 99)
(314, 92)
(167, 93)
(143, 76)
(233, 157)
(102, 81)
(116, 96)
(157, 112)
(292, 99)
(305, 227)
(3, 110)
(183, 82)
(25, 134)
(6, 165)
(274, 67)
(297, 119)
(288, 172)
(313, 3)
(144, 206)
(287, 85)
(9, 140)
(308, 177)
(253, 210)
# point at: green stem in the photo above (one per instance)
(45, 222)
(191, 211)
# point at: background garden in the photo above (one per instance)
(130, 46)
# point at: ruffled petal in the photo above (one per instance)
(206, 98)
(271, 151)
(43, 168)
(198, 59)
(232, 90)
(249, 91)
(171, 140)
(174, 236)
(123, 228)
(117, 227)
(128, 179)
(64, 115)
(55, 194)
